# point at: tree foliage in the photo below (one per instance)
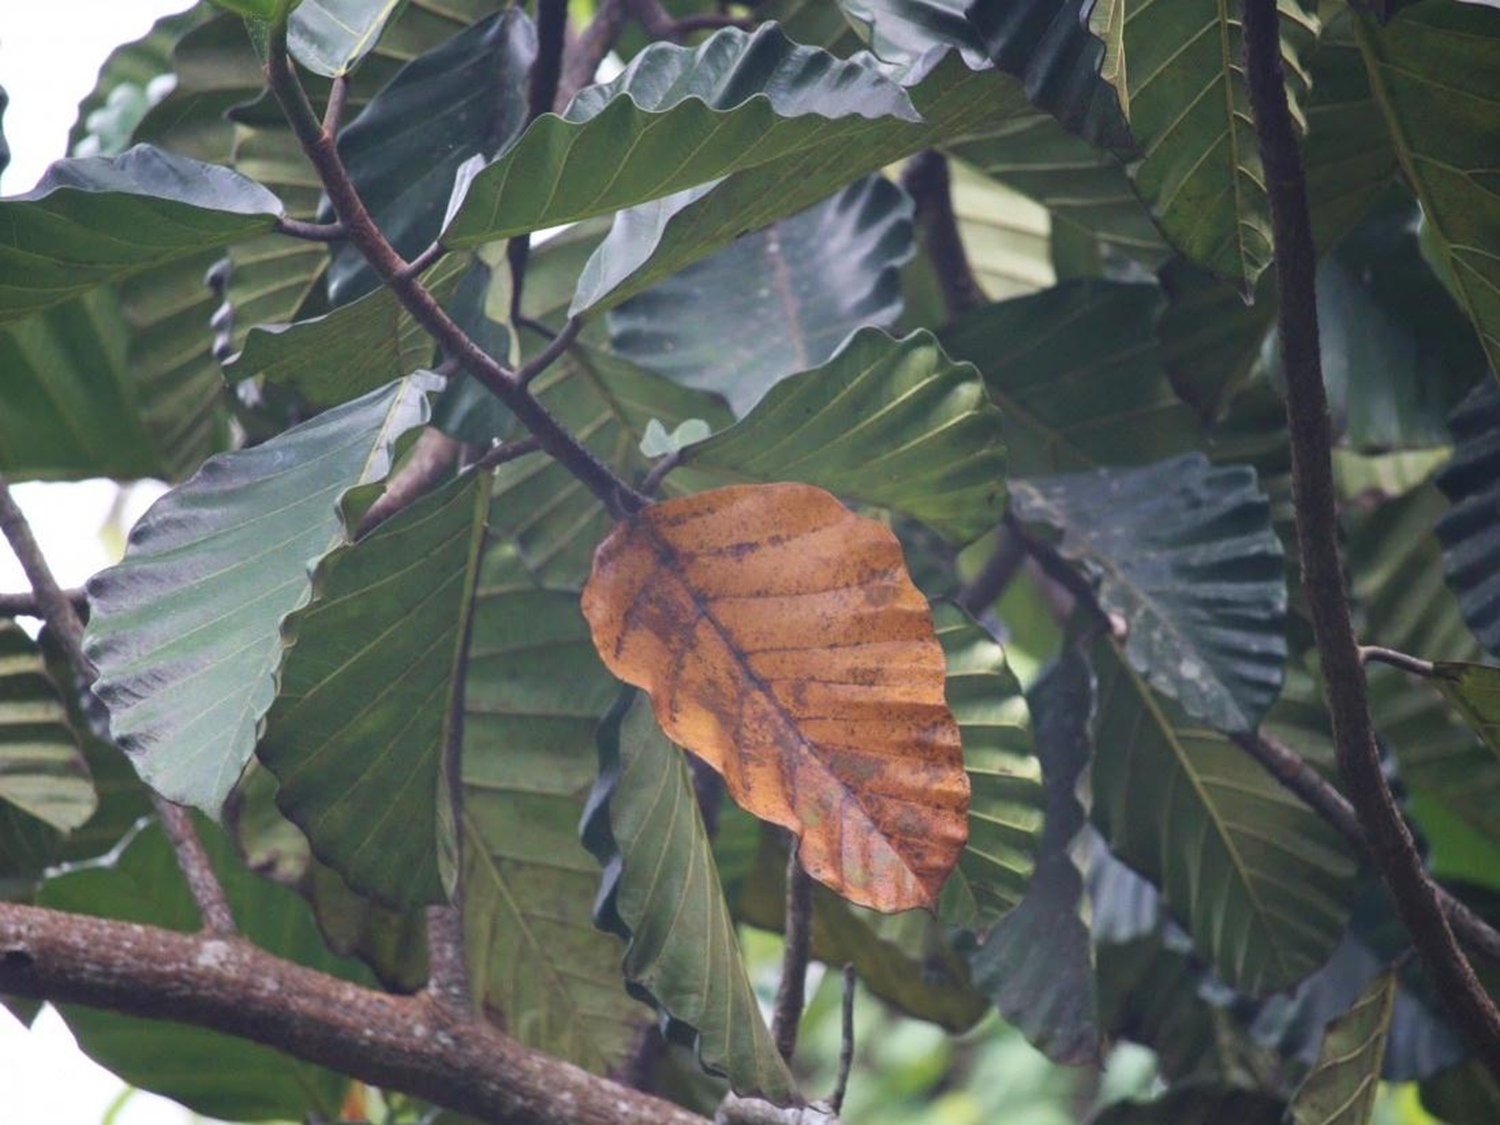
(869, 519)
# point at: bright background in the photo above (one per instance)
(50, 53)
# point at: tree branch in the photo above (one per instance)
(310, 232)
(660, 24)
(541, 93)
(926, 180)
(24, 603)
(431, 459)
(1391, 845)
(618, 497)
(791, 994)
(1412, 664)
(405, 1043)
(65, 626)
(996, 574)
(581, 62)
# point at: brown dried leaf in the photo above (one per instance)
(782, 641)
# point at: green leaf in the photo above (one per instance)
(45, 787)
(889, 422)
(366, 694)
(1469, 531)
(655, 240)
(217, 1075)
(1260, 881)
(798, 288)
(330, 36)
(1037, 963)
(1086, 191)
(1007, 801)
(350, 351)
(186, 630)
(1402, 603)
(464, 98)
(98, 219)
(902, 958)
(1463, 1095)
(393, 943)
(1198, 1105)
(1434, 70)
(534, 695)
(677, 117)
(1076, 374)
(1184, 554)
(662, 895)
(1341, 1088)
(1474, 692)
(1178, 67)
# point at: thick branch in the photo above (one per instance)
(65, 626)
(926, 179)
(791, 994)
(1391, 844)
(405, 1043)
(319, 146)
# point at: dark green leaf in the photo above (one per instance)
(888, 422)
(1260, 881)
(45, 788)
(677, 117)
(214, 1074)
(1463, 1095)
(350, 351)
(534, 695)
(1342, 1086)
(1183, 553)
(1179, 70)
(659, 238)
(1474, 691)
(393, 943)
(776, 301)
(1075, 372)
(1434, 70)
(186, 630)
(1198, 1105)
(1007, 801)
(1469, 532)
(464, 98)
(662, 895)
(98, 219)
(366, 695)
(1037, 963)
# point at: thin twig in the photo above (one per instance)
(541, 92)
(24, 604)
(65, 626)
(617, 496)
(333, 112)
(1415, 665)
(846, 1044)
(581, 62)
(418, 265)
(1294, 774)
(310, 232)
(658, 473)
(1391, 845)
(535, 325)
(926, 179)
(791, 994)
(660, 24)
(549, 355)
(1057, 568)
(996, 574)
(508, 451)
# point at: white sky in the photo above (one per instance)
(50, 52)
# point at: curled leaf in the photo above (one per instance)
(782, 641)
